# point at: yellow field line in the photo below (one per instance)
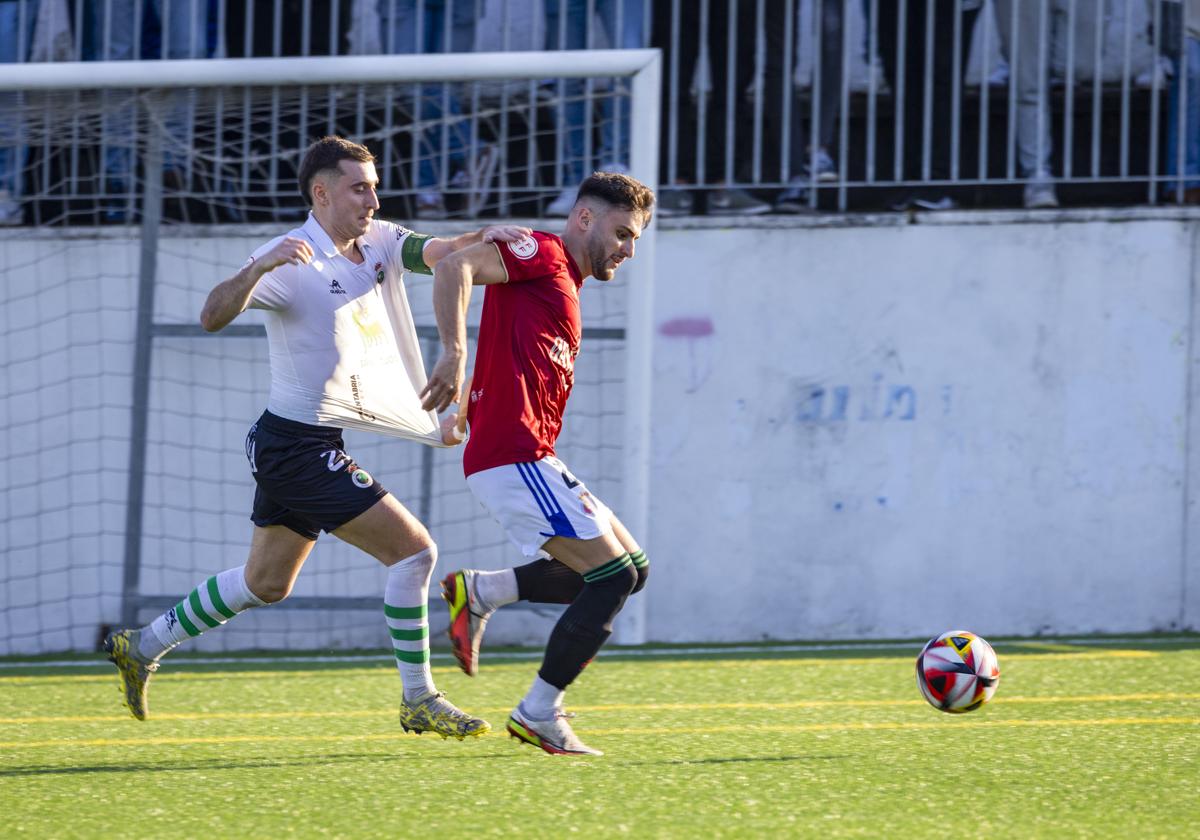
(868, 660)
(1160, 697)
(637, 731)
(692, 663)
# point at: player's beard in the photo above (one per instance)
(602, 269)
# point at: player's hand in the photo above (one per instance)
(505, 233)
(454, 426)
(445, 383)
(290, 249)
(452, 433)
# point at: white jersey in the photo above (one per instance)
(344, 349)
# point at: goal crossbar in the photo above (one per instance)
(318, 70)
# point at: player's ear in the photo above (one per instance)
(585, 216)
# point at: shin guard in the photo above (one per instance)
(587, 623)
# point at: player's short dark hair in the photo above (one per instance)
(327, 153)
(619, 191)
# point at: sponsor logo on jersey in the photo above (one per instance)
(356, 395)
(524, 248)
(335, 288)
(370, 328)
(361, 478)
(560, 354)
(171, 620)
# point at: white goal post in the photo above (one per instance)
(33, 82)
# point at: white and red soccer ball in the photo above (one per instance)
(957, 672)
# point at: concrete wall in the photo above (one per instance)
(981, 421)
(863, 427)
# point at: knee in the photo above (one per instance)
(418, 565)
(616, 584)
(625, 582)
(642, 572)
(268, 590)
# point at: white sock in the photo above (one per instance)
(542, 700)
(495, 589)
(209, 605)
(405, 603)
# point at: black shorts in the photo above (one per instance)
(306, 481)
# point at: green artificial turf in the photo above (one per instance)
(1082, 740)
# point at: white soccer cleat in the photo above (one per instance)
(555, 736)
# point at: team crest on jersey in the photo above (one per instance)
(587, 501)
(379, 272)
(524, 248)
(361, 478)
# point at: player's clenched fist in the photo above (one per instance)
(290, 249)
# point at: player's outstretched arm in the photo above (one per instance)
(477, 265)
(438, 249)
(229, 298)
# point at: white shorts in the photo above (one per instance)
(536, 501)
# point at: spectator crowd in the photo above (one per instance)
(768, 106)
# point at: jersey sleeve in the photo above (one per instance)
(272, 291)
(404, 247)
(532, 257)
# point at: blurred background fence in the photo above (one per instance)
(768, 106)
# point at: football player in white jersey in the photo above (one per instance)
(343, 353)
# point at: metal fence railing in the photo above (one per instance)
(768, 105)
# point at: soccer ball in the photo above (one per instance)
(957, 672)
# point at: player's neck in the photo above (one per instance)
(345, 247)
(575, 247)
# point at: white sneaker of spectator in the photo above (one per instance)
(11, 212)
(1157, 75)
(672, 202)
(794, 198)
(821, 164)
(430, 206)
(562, 205)
(1040, 193)
(736, 202)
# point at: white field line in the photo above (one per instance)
(640, 651)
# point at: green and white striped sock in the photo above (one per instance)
(407, 611)
(209, 605)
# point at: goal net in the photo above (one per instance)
(133, 189)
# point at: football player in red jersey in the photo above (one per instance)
(529, 337)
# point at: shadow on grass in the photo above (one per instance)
(225, 764)
(750, 759)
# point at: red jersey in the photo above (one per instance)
(529, 336)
